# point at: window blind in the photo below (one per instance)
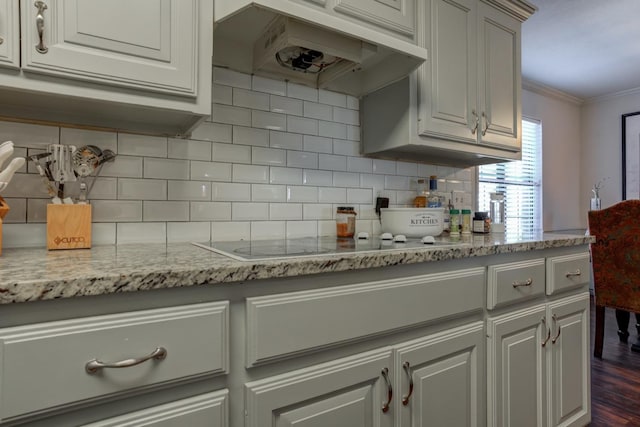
(520, 181)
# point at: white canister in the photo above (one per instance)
(412, 222)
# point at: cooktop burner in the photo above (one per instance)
(245, 250)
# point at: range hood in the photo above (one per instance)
(310, 46)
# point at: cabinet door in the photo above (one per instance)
(145, 44)
(349, 392)
(447, 85)
(516, 372)
(394, 15)
(447, 374)
(9, 34)
(499, 78)
(569, 375)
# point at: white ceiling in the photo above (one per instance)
(586, 48)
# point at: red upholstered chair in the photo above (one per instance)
(615, 257)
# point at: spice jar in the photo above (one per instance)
(345, 221)
(454, 222)
(466, 221)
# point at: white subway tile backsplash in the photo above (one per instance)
(302, 194)
(189, 149)
(316, 211)
(36, 210)
(332, 195)
(29, 135)
(346, 147)
(241, 211)
(268, 156)
(327, 228)
(302, 92)
(26, 185)
(263, 84)
(24, 235)
(18, 210)
(302, 125)
(166, 168)
(302, 159)
(267, 230)
(189, 190)
(346, 179)
(353, 102)
(346, 116)
(288, 141)
(188, 232)
(314, 110)
(250, 99)
(210, 211)
(331, 162)
(367, 212)
(426, 171)
(250, 173)
(364, 226)
(359, 164)
(226, 231)
(332, 130)
(103, 233)
(405, 168)
(165, 211)
(222, 94)
(227, 114)
(372, 181)
(225, 76)
(79, 137)
(231, 153)
(397, 182)
(230, 192)
(359, 195)
(280, 104)
(250, 136)
(353, 133)
(142, 189)
(317, 144)
(104, 188)
(267, 120)
(387, 167)
(268, 193)
(123, 167)
(148, 232)
(285, 211)
(296, 229)
(210, 171)
(142, 145)
(405, 197)
(332, 98)
(208, 131)
(285, 176)
(317, 177)
(116, 210)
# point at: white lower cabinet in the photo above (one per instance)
(538, 365)
(436, 380)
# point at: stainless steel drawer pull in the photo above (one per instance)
(385, 405)
(486, 124)
(95, 365)
(407, 368)
(574, 273)
(528, 282)
(544, 324)
(477, 122)
(555, 322)
(40, 47)
(1, 40)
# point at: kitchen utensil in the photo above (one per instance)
(85, 161)
(62, 162)
(6, 150)
(45, 172)
(107, 156)
(412, 222)
(7, 173)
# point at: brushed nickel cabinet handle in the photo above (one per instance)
(544, 324)
(385, 405)
(517, 284)
(407, 369)
(477, 120)
(40, 47)
(95, 365)
(555, 322)
(573, 273)
(486, 123)
(1, 40)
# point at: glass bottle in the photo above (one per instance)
(454, 221)
(496, 212)
(345, 221)
(420, 201)
(433, 199)
(466, 221)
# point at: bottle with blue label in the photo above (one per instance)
(433, 200)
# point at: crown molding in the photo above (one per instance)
(550, 92)
(609, 96)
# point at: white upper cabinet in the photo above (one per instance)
(9, 41)
(142, 66)
(148, 44)
(394, 15)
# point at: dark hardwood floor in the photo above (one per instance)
(615, 379)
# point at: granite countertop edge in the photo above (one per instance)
(36, 274)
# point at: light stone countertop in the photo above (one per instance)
(37, 274)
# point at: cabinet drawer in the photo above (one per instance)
(568, 271)
(279, 326)
(45, 365)
(206, 410)
(516, 281)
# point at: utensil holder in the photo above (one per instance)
(68, 226)
(4, 209)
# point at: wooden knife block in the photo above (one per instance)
(4, 209)
(68, 226)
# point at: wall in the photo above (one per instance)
(562, 202)
(601, 155)
(274, 160)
